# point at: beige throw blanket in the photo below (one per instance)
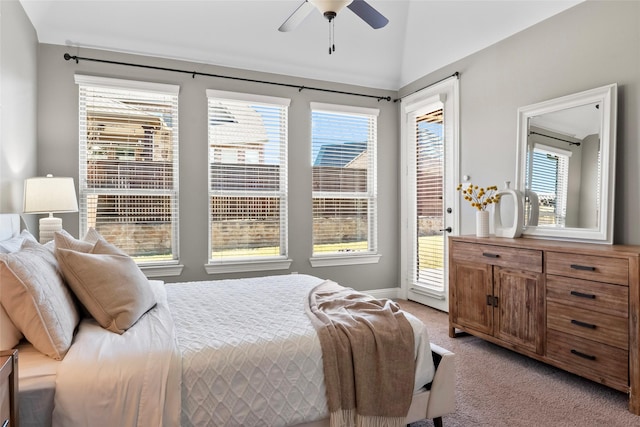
(368, 356)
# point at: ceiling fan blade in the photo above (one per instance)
(368, 14)
(297, 17)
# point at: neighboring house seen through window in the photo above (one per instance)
(128, 175)
(248, 197)
(343, 160)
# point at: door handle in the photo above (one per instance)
(448, 229)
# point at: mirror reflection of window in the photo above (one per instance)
(550, 183)
(252, 156)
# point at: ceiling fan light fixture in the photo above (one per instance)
(325, 6)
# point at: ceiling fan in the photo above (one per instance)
(330, 9)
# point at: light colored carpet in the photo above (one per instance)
(498, 387)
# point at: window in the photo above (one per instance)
(343, 160)
(129, 166)
(550, 183)
(248, 196)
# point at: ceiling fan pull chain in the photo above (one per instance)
(331, 45)
(333, 35)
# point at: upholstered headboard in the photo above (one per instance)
(9, 226)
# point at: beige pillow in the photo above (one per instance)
(36, 299)
(108, 283)
(10, 336)
(65, 240)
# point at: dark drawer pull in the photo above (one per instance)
(583, 355)
(582, 295)
(582, 267)
(490, 255)
(491, 300)
(583, 324)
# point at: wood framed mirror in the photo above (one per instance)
(566, 166)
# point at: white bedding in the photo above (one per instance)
(243, 350)
(107, 379)
(250, 355)
(37, 374)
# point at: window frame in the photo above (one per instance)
(171, 267)
(371, 256)
(247, 264)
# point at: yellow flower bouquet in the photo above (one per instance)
(479, 197)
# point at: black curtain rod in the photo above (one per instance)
(456, 75)
(197, 73)
(556, 138)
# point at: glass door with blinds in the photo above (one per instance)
(429, 145)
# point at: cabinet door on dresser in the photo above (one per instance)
(469, 300)
(519, 314)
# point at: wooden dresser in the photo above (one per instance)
(571, 305)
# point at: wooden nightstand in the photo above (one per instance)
(9, 388)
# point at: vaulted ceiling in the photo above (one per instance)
(422, 35)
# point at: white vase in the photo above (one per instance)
(512, 199)
(482, 223)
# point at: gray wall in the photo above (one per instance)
(58, 153)
(18, 90)
(590, 45)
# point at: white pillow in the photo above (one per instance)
(13, 244)
(36, 299)
(10, 336)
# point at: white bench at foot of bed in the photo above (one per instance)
(434, 403)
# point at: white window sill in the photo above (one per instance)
(161, 270)
(241, 266)
(337, 260)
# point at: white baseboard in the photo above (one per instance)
(390, 293)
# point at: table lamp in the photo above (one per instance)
(49, 195)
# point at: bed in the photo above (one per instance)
(237, 352)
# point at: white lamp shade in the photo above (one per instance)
(49, 195)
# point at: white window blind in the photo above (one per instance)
(343, 159)
(129, 165)
(550, 183)
(247, 177)
(429, 185)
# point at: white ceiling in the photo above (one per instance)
(422, 35)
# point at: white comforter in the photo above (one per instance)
(131, 379)
(250, 355)
(245, 352)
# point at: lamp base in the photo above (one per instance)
(48, 226)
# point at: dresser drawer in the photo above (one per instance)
(515, 258)
(605, 364)
(589, 267)
(604, 328)
(596, 296)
